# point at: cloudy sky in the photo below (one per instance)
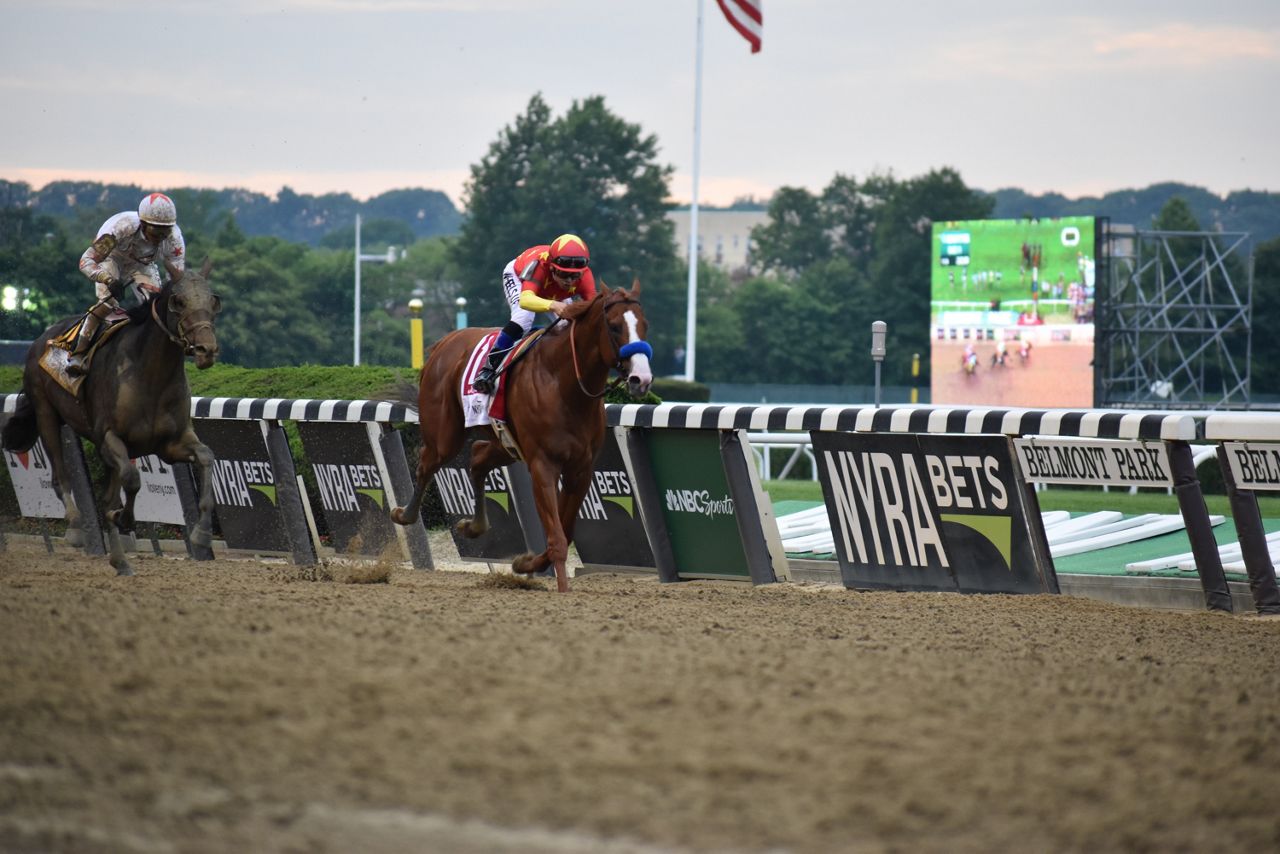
(364, 96)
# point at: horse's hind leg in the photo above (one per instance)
(119, 514)
(49, 425)
(430, 457)
(442, 437)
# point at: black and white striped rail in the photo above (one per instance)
(1092, 424)
(282, 409)
(1089, 423)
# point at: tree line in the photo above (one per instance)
(825, 264)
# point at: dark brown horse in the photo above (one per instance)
(555, 413)
(133, 401)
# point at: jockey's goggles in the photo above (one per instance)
(569, 263)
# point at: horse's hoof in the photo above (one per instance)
(122, 568)
(397, 516)
(469, 529)
(75, 537)
(201, 536)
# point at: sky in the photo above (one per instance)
(365, 96)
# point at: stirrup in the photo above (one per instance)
(75, 365)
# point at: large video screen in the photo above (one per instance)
(1012, 312)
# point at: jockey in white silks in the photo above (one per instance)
(128, 249)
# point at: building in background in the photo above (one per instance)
(724, 237)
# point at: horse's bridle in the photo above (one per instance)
(188, 349)
(617, 350)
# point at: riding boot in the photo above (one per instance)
(487, 377)
(75, 359)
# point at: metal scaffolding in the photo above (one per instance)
(1174, 327)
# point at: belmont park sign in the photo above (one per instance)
(1094, 462)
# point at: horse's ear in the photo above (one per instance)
(604, 289)
(635, 286)
(206, 267)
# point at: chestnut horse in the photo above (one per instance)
(555, 413)
(133, 401)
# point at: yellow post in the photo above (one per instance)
(415, 332)
(915, 373)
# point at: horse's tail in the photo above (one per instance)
(401, 391)
(20, 431)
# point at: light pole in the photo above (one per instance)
(878, 329)
(461, 303)
(415, 332)
(389, 257)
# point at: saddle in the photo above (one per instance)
(58, 349)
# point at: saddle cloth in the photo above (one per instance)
(478, 408)
(58, 350)
(475, 412)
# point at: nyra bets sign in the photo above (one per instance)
(925, 512)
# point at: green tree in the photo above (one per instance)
(588, 172)
(268, 318)
(38, 262)
(425, 272)
(797, 234)
(376, 235)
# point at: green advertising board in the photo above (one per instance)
(697, 504)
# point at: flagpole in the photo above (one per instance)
(691, 319)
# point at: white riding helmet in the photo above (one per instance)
(158, 209)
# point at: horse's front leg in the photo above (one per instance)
(574, 485)
(49, 426)
(118, 514)
(189, 449)
(546, 479)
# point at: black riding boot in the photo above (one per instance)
(486, 377)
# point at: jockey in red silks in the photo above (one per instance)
(129, 246)
(541, 278)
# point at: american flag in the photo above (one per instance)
(747, 17)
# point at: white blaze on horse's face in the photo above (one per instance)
(639, 374)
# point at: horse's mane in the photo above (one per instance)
(580, 308)
(577, 309)
(141, 313)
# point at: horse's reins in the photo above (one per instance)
(617, 362)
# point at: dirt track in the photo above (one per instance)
(231, 706)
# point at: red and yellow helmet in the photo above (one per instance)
(568, 254)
